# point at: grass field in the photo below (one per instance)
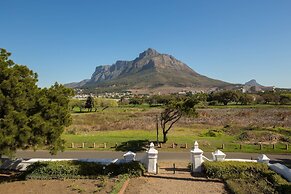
(138, 141)
(240, 129)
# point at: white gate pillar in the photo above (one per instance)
(152, 159)
(196, 158)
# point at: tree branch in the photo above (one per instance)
(177, 118)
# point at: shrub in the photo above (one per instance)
(246, 186)
(78, 169)
(227, 170)
(213, 133)
(247, 177)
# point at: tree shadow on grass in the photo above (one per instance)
(133, 145)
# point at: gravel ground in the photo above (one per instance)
(182, 182)
(145, 185)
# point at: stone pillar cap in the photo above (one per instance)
(263, 157)
(152, 149)
(196, 149)
(129, 153)
(219, 153)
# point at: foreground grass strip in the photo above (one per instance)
(244, 177)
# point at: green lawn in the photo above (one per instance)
(132, 138)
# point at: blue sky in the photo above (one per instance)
(234, 41)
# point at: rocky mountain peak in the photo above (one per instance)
(252, 82)
(149, 52)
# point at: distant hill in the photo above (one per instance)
(150, 72)
(77, 84)
(253, 86)
(253, 82)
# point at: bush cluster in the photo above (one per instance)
(245, 177)
(78, 169)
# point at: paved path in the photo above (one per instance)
(163, 156)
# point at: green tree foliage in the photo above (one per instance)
(226, 97)
(105, 103)
(258, 99)
(159, 99)
(30, 117)
(285, 99)
(89, 104)
(271, 97)
(246, 99)
(201, 97)
(76, 103)
(108, 103)
(136, 101)
(173, 111)
(51, 116)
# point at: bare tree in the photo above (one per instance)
(174, 111)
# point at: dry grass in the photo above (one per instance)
(242, 117)
(144, 118)
(115, 119)
(213, 127)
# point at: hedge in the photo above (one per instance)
(247, 177)
(78, 169)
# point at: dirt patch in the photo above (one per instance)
(58, 186)
(181, 182)
(145, 185)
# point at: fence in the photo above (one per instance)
(207, 146)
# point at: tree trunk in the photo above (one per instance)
(165, 139)
(157, 127)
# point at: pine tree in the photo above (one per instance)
(89, 103)
(30, 117)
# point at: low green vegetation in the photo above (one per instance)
(78, 169)
(246, 177)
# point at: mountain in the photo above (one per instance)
(149, 72)
(253, 86)
(253, 82)
(77, 84)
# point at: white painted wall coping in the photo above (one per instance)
(241, 160)
(282, 170)
(205, 158)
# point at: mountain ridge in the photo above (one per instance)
(148, 72)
